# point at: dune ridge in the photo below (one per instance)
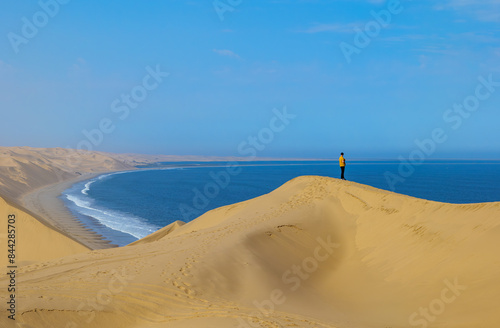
(317, 252)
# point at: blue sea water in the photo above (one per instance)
(127, 206)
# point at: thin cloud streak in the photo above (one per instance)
(226, 53)
(331, 28)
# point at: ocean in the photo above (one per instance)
(127, 206)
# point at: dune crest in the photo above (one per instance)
(317, 252)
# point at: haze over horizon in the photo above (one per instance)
(284, 79)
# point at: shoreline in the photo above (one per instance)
(45, 203)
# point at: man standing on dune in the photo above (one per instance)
(342, 165)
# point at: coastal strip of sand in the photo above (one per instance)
(46, 205)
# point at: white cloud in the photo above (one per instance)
(437, 49)
(335, 28)
(227, 53)
(460, 3)
(489, 15)
(405, 38)
(483, 10)
(479, 38)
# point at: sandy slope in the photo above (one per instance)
(317, 252)
(34, 240)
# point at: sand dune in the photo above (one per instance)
(141, 159)
(31, 179)
(34, 240)
(23, 169)
(317, 252)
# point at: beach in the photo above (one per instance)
(46, 204)
(316, 252)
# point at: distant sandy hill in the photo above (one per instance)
(40, 236)
(317, 252)
(23, 169)
(141, 159)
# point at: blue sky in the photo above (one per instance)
(229, 67)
